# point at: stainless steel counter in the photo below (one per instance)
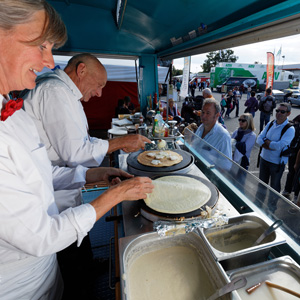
(135, 223)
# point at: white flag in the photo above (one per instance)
(184, 89)
(279, 52)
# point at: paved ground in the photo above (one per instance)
(232, 125)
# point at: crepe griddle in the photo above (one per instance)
(154, 215)
(139, 169)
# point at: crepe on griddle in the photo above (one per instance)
(146, 160)
(177, 194)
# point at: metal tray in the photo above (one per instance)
(284, 267)
(133, 247)
(231, 244)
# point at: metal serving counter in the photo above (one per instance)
(134, 223)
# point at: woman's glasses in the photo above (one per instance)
(281, 111)
(242, 120)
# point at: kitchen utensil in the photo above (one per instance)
(279, 287)
(173, 129)
(150, 115)
(143, 130)
(235, 284)
(273, 285)
(272, 228)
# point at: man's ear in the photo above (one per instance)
(81, 70)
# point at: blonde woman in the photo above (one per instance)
(244, 139)
(31, 228)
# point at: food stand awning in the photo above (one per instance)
(172, 29)
(163, 30)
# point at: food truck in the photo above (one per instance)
(225, 70)
(222, 233)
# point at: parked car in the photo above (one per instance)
(279, 95)
(294, 99)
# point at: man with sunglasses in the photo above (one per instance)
(272, 140)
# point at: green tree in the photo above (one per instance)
(214, 57)
(176, 72)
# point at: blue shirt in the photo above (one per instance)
(277, 144)
(218, 137)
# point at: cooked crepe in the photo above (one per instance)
(177, 194)
(167, 158)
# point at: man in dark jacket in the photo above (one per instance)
(266, 106)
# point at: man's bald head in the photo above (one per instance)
(86, 58)
(88, 74)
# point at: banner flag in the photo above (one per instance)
(184, 89)
(279, 52)
(270, 70)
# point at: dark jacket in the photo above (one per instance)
(252, 104)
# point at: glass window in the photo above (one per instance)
(240, 186)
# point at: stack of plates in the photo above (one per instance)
(118, 131)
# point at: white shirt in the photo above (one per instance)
(218, 137)
(31, 230)
(56, 109)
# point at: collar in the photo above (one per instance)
(282, 124)
(63, 76)
(212, 130)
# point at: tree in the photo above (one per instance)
(214, 57)
(176, 72)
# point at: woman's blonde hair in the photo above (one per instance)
(249, 118)
(15, 12)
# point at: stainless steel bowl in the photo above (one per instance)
(231, 244)
(133, 247)
(283, 271)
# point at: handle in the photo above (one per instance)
(274, 226)
(235, 284)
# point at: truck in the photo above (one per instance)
(220, 73)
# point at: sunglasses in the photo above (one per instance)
(281, 111)
(242, 120)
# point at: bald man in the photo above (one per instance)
(55, 106)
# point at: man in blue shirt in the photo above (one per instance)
(272, 164)
(211, 131)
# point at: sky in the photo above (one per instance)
(290, 48)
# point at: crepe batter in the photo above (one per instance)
(236, 238)
(177, 194)
(169, 274)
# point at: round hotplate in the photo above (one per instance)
(154, 215)
(137, 168)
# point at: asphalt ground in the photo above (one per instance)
(232, 124)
